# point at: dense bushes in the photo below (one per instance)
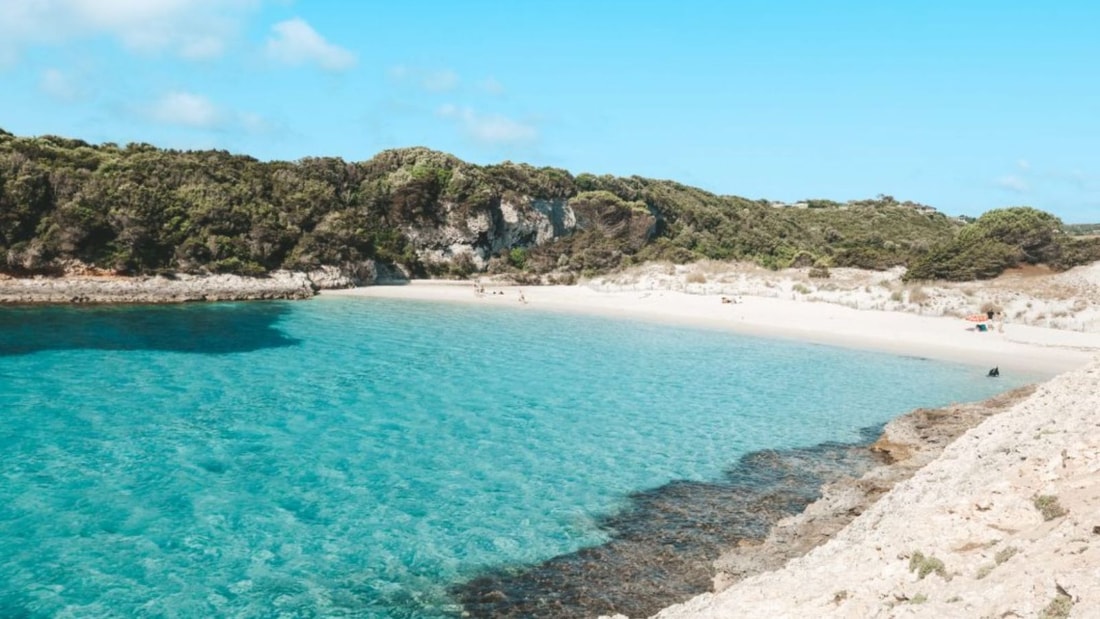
(139, 209)
(1001, 239)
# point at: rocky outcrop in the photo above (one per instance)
(908, 443)
(352, 275)
(522, 222)
(159, 289)
(482, 233)
(83, 284)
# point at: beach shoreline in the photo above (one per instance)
(1023, 348)
(804, 566)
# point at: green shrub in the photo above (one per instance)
(1049, 506)
(923, 566)
(1058, 608)
(517, 257)
(1005, 554)
(1001, 239)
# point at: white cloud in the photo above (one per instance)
(492, 86)
(294, 42)
(1023, 164)
(194, 29)
(450, 110)
(490, 129)
(186, 109)
(1013, 183)
(254, 123)
(501, 130)
(440, 81)
(58, 85)
(194, 111)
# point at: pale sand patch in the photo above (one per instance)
(1020, 347)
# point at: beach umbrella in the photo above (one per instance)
(977, 318)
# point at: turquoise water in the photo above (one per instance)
(354, 457)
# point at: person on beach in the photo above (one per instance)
(522, 299)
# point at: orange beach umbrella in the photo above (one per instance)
(977, 318)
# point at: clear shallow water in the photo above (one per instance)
(351, 457)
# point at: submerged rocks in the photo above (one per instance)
(687, 538)
(907, 443)
(662, 547)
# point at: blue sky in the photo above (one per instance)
(965, 106)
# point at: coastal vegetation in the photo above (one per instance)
(924, 565)
(1058, 608)
(1083, 229)
(1001, 239)
(1049, 506)
(138, 209)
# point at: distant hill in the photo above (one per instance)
(1082, 229)
(138, 209)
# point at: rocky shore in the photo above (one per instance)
(1003, 523)
(908, 444)
(80, 283)
(158, 289)
(674, 541)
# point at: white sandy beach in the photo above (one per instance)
(1019, 348)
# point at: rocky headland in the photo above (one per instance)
(155, 289)
(82, 284)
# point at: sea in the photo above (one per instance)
(353, 457)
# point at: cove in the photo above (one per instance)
(346, 457)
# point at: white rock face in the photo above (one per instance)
(365, 273)
(487, 232)
(979, 510)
